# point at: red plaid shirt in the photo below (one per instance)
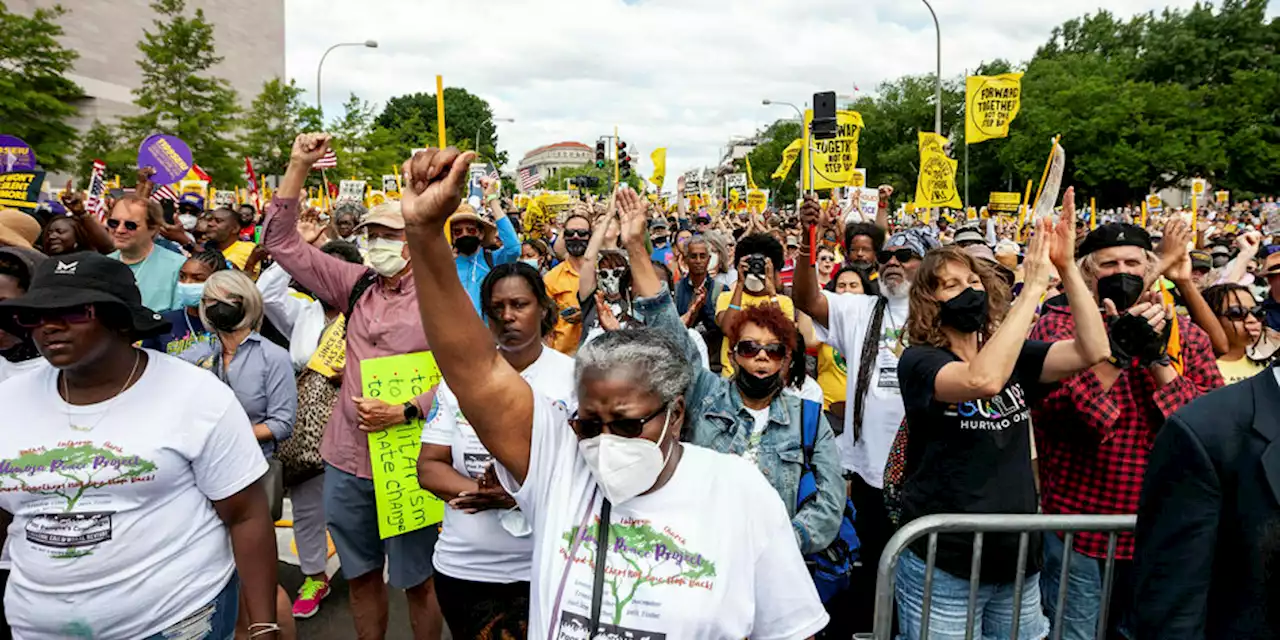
(1093, 444)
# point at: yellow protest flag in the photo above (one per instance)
(834, 160)
(659, 158)
(331, 354)
(936, 186)
(789, 156)
(751, 180)
(991, 103)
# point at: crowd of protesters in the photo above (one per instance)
(652, 422)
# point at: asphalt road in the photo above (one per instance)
(333, 622)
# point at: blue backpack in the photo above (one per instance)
(832, 566)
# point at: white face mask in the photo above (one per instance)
(625, 467)
(533, 262)
(386, 256)
(187, 221)
(753, 283)
(713, 263)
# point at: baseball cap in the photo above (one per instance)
(387, 215)
(1201, 260)
(192, 199)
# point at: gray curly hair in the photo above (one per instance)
(646, 356)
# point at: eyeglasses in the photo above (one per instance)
(32, 318)
(902, 255)
(128, 224)
(625, 427)
(577, 233)
(1237, 312)
(751, 349)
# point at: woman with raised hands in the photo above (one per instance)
(621, 510)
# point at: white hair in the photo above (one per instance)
(233, 287)
(646, 356)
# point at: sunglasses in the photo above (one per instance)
(902, 255)
(128, 224)
(1236, 312)
(32, 318)
(625, 427)
(582, 234)
(751, 349)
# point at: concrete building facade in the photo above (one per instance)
(249, 34)
(546, 160)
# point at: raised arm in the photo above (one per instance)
(1091, 344)
(882, 208)
(493, 396)
(510, 251)
(804, 285)
(587, 272)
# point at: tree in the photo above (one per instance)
(274, 119)
(35, 94)
(767, 156)
(365, 149)
(604, 177)
(177, 96)
(102, 142)
(465, 116)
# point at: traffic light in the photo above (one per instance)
(624, 160)
(599, 154)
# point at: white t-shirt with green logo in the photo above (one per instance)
(710, 555)
(114, 534)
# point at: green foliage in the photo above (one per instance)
(412, 117)
(177, 95)
(274, 119)
(605, 176)
(365, 149)
(35, 95)
(101, 142)
(766, 158)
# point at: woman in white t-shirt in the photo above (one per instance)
(483, 556)
(128, 479)
(630, 527)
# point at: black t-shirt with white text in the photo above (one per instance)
(971, 457)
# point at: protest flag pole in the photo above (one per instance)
(440, 108)
(1045, 176)
(966, 145)
(325, 200)
(1093, 214)
(1144, 212)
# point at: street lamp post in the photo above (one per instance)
(372, 44)
(495, 120)
(804, 132)
(937, 116)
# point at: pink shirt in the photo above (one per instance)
(385, 323)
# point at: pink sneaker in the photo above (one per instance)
(309, 597)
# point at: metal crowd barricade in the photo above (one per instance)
(979, 524)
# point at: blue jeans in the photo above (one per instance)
(214, 621)
(1084, 592)
(949, 609)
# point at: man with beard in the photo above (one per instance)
(869, 330)
(472, 234)
(562, 283)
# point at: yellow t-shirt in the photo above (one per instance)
(1242, 369)
(833, 376)
(748, 300)
(238, 253)
(562, 286)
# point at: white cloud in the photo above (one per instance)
(684, 74)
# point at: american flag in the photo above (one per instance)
(97, 188)
(329, 161)
(529, 179)
(162, 193)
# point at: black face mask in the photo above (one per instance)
(576, 248)
(1122, 289)
(660, 241)
(224, 317)
(966, 312)
(22, 352)
(466, 245)
(755, 387)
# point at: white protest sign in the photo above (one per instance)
(351, 190)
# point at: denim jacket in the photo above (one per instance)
(715, 418)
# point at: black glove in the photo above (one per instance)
(1157, 351)
(1132, 338)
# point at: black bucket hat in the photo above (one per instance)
(85, 278)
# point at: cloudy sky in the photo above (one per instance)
(684, 74)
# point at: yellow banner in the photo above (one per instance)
(834, 160)
(756, 200)
(659, 158)
(1004, 201)
(1224, 197)
(789, 156)
(751, 180)
(991, 103)
(402, 504)
(331, 355)
(936, 186)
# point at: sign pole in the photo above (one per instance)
(440, 108)
(966, 147)
(1093, 214)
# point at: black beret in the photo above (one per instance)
(1115, 234)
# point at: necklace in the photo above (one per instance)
(66, 394)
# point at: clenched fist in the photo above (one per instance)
(433, 184)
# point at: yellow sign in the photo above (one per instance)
(1004, 201)
(991, 103)
(936, 186)
(331, 355)
(734, 197)
(756, 200)
(1224, 197)
(859, 178)
(1198, 187)
(834, 160)
(789, 156)
(1154, 203)
(751, 179)
(402, 504)
(659, 158)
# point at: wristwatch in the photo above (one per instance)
(411, 412)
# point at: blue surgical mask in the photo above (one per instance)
(188, 294)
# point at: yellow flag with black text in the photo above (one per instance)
(751, 179)
(789, 156)
(991, 103)
(659, 157)
(834, 160)
(936, 186)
